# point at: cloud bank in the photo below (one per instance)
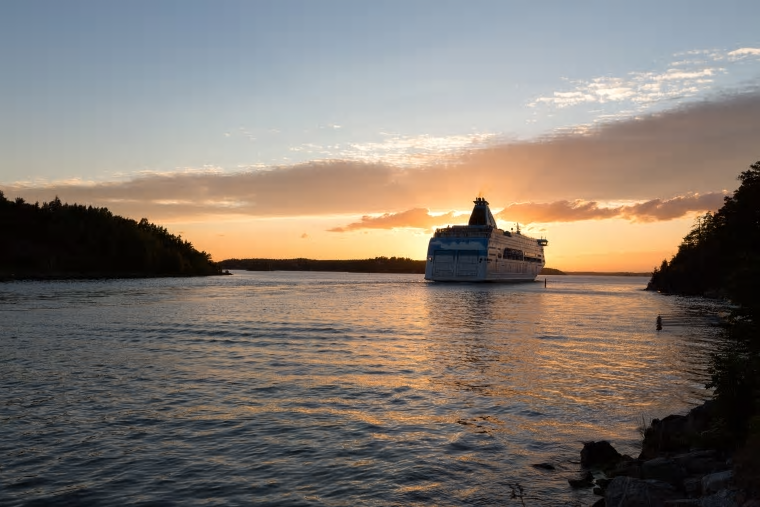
(649, 211)
(417, 218)
(559, 211)
(699, 148)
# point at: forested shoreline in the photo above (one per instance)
(55, 240)
(720, 257)
(376, 265)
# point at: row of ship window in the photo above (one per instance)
(517, 255)
(508, 254)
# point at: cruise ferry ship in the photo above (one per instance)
(481, 252)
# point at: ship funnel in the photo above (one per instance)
(481, 213)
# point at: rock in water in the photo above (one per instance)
(584, 482)
(599, 454)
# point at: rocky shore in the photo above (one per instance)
(682, 463)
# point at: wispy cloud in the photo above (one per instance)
(400, 150)
(740, 54)
(246, 133)
(641, 88)
(696, 148)
(558, 211)
(252, 135)
(687, 75)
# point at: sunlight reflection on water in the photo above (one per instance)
(330, 388)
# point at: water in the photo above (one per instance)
(331, 388)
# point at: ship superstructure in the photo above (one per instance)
(481, 252)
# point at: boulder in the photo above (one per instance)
(698, 454)
(678, 433)
(599, 454)
(626, 468)
(665, 470)
(723, 498)
(700, 418)
(668, 435)
(700, 462)
(630, 492)
(712, 483)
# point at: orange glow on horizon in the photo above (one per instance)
(594, 245)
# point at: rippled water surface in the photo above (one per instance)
(330, 388)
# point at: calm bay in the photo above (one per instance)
(302, 388)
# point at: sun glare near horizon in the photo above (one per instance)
(577, 246)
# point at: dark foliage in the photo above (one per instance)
(735, 376)
(721, 257)
(56, 240)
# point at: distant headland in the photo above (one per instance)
(376, 265)
(71, 241)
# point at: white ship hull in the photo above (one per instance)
(481, 252)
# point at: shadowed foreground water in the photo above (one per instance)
(330, 388)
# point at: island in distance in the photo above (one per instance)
(66, 241)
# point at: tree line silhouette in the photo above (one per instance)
(376, 265)
(721, 254)
(720, 257)
(57, 240)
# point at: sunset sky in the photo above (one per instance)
(351, 129)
